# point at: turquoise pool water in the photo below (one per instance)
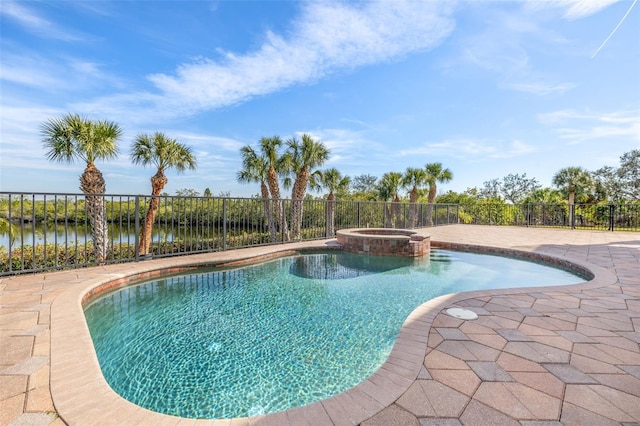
(277, 335)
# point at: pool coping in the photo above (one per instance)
(77, 383)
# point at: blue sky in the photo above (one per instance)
(487, 88)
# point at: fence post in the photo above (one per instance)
(384, 214)
(572, 216)
(224, 224)
(136, 240)
(358, 213)
(326, 218)
(283, 222)
(612, 212)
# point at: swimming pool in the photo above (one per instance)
(285, 333)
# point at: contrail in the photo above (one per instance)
(614, 30)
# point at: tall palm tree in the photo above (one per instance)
(302, 159)
(163, 153)
(413, 179)
(255, 168)
(435, 174)
(572, 181)
(388, 188)
(333, 180)
(270, 151)
(72, 137)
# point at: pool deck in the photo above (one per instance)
(537, 356)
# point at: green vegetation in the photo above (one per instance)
(163, 153)
(72, 138)
(188, 223)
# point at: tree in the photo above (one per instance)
(435, 174)
(543, 196)
(363, 187)
(413, 179)
(73, 137)
(186, 193)
(364, 183)
(573, 181)
(608, 183)
(629, 174)
(163, 153)
(302, 159)
(388, 190)
(255, 168)
(490, 189)
(207, 193)
(269, 148)
(333, 180)
(516, 187)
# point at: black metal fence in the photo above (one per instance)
(46, 231)
(607, 217)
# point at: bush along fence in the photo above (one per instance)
(45, 231)
(606, 217)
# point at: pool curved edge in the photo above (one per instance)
(81, 395)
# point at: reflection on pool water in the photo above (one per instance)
(278, 335)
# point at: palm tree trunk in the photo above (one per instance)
(331, 213)
(388, 216)
(572, 200)
(297, 195)
(92, 182)
(99, 227)
(158, 182)
(397, 208)
(413, 208)
(268, 214)
(430, 199)
(274, 188)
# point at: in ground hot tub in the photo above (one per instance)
(384, 242)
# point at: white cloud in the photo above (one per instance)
(473, 150)
(52, 73)
(36, 24)
(325, 38)
(347, 147)
(542, 89)
(207, 142)
(573, 9)
(510, 43)
(577, 127)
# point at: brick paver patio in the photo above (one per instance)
(543, 356)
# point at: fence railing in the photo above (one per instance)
(608, 217)
(46, 231)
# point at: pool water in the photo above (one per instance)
(277, 335)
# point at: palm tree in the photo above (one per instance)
(413, 179)
(435, 174)
(388, 190)
(255, 168)
(301, 159)
(572, 181)
(73, 137)
(333, 180)
(163, 153)
(270, 147)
